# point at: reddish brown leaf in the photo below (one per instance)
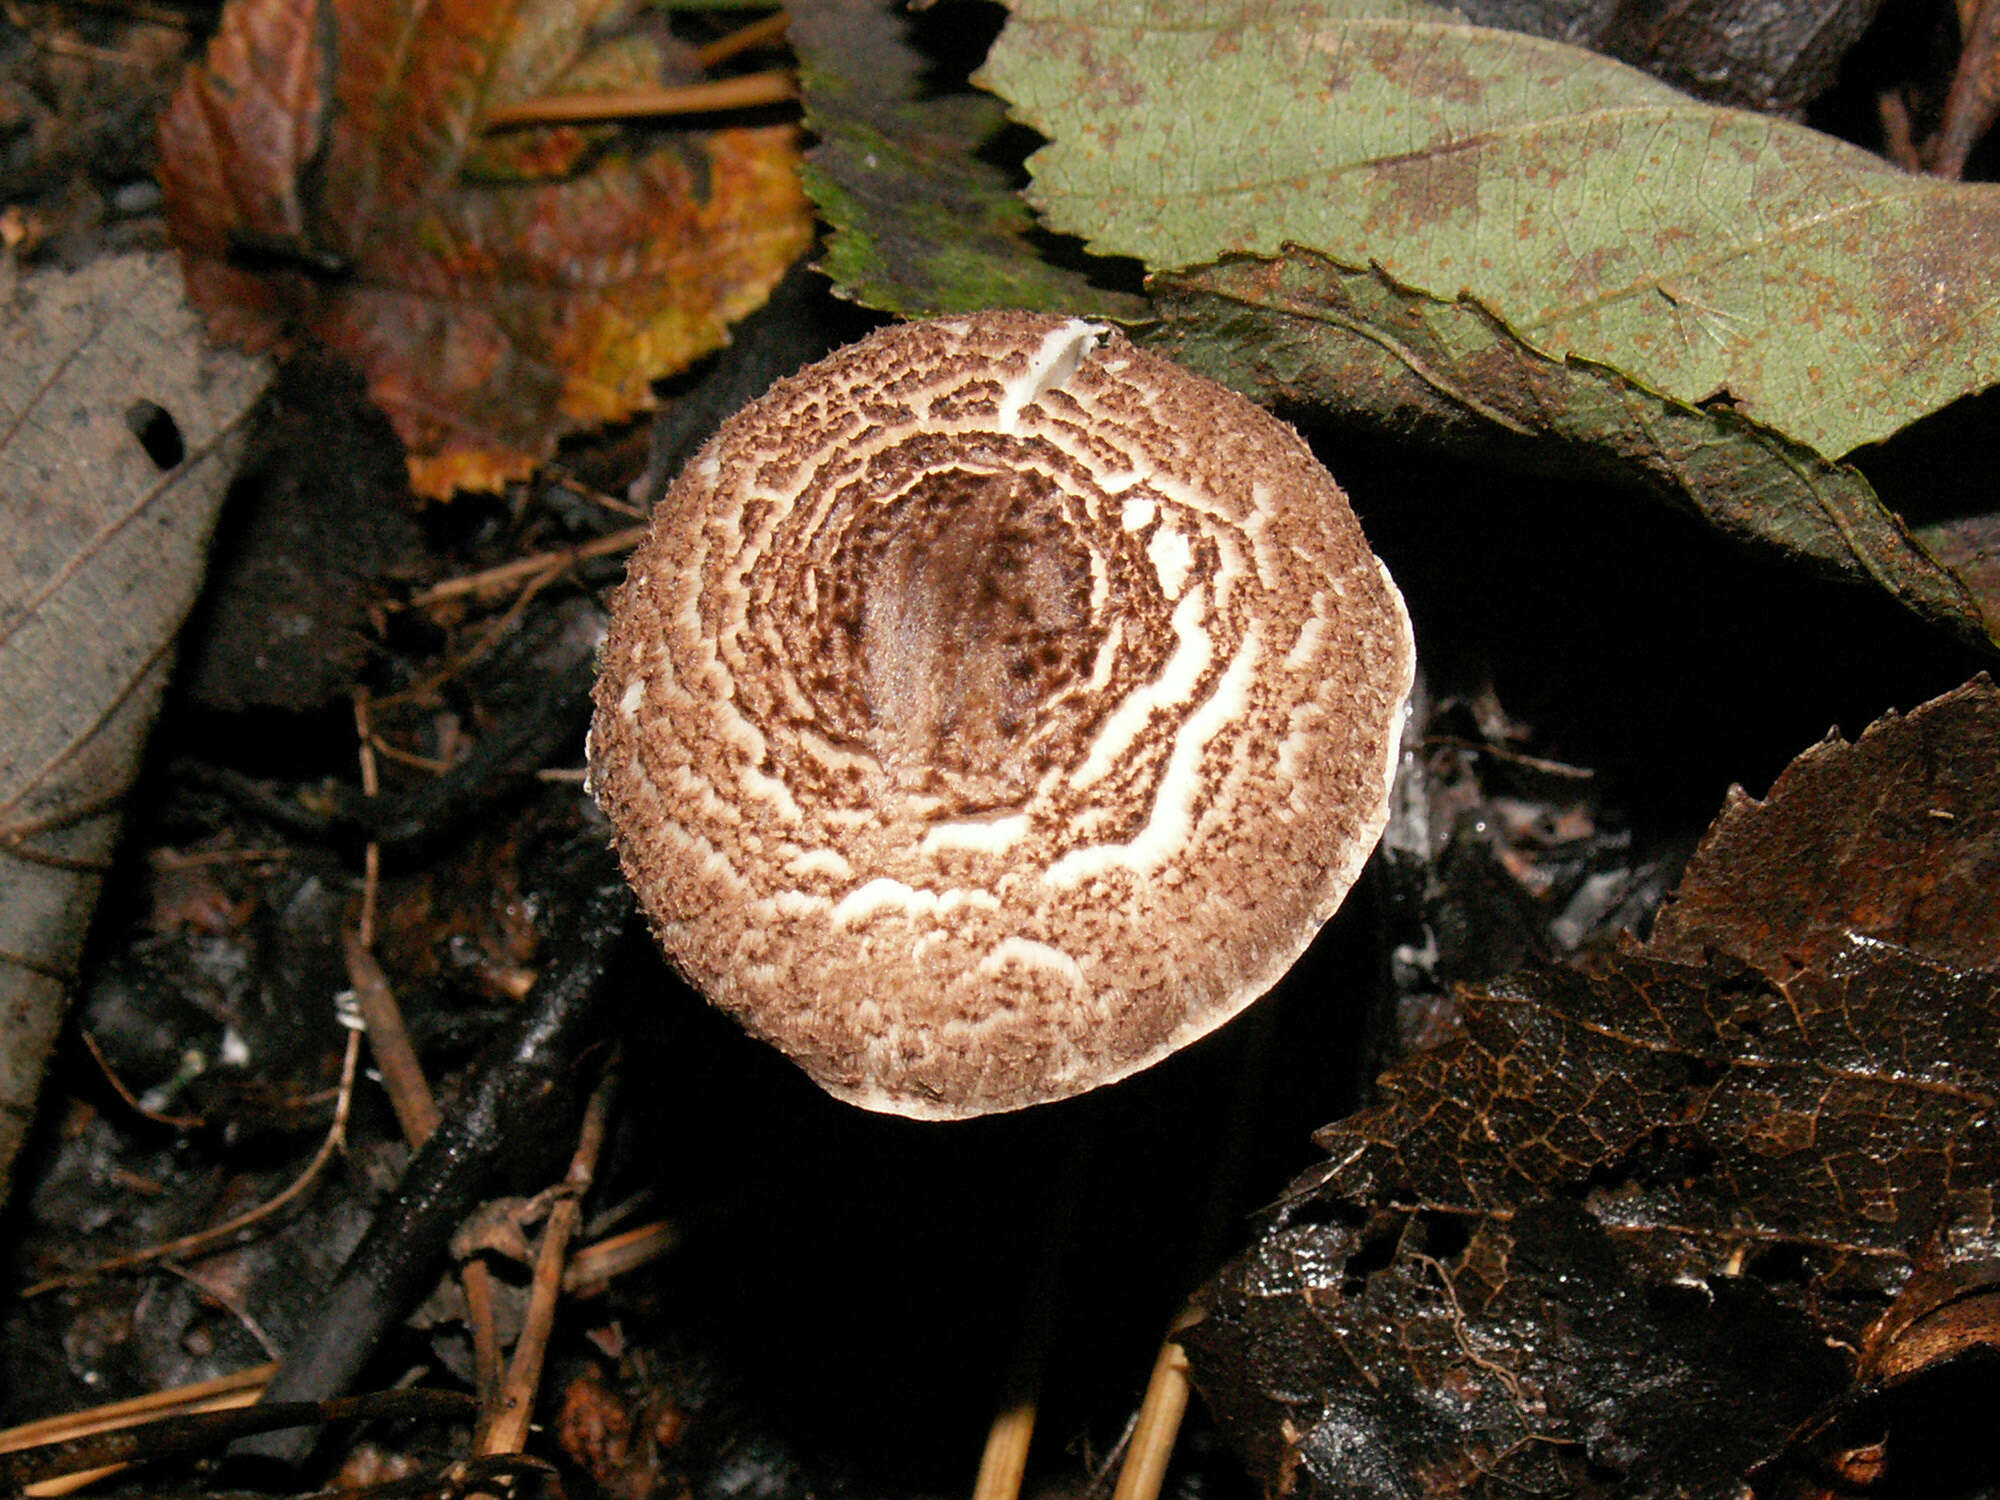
(325, 179)
(1783, 883)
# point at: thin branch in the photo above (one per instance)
(749, 91)
(508, 1429)
(94, 806)
(229, 1304)
(371, 787)
(389, 1043)
(223, 1393)
(173, 1122)
(494, 580)
(593, 1267)
(1158, 1427)
(1974, 101)
(744, 39)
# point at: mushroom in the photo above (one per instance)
(995, 708)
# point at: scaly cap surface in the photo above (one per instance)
(994, 709)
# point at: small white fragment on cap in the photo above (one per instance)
(1137, 513)
(798, 904)
(819, 862)
(1061, 355)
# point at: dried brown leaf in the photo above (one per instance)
(325, 178)
(118, 430)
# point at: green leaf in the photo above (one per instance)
(1593, 210)
(1301, 331)
(919, 224)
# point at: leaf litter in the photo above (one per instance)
(1617, 1310)
(1627, 1230)
(499, 293)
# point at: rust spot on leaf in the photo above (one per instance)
(1415, 63)
(1425, 188)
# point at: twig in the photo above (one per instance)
(65, 46)
(175, 859)
(746, 92)
(188, 1246)
(167, 1437)
(427, 763)
(14, 835)
(1974, 101)
(231, 1305)
(389, 1042)
(1899, 140)
(508, 1428)
(592, 1267)
(596, 496)
(743, 39)
(173, 1122)
(371, 787)
(140, 15)
(224, 1390)
(223, 1393)
(1158, 1427)
(417, 1116)
(495, 631)
(493, 580)
(1004, 1463)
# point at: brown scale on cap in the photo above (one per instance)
(994, 709)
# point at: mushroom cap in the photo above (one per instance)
(995, 708)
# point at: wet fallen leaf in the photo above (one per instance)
(118, 434)
(1786, 882)
(325, 178)
(1303, 332)
(1696, 258)
(1628, 1232)
(919, 222)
